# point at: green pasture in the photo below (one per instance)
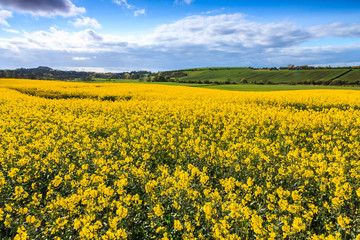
(262, 76)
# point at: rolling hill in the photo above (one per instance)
(326, 76)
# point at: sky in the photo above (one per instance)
(130, 35)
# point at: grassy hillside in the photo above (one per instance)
(351, 77)
(248, 75)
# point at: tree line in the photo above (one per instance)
(46, 73)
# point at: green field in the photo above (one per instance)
(259, 79)
(237, 87)
(236, 75)
(351, 76)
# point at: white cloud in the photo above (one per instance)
(336, 64)
(43, 7)
(80, 58)
(124, 3)
(87, 69)
(227, 32)
(86, 22)
(59, 40)
(139, 12)
(10, 30)
(106, 69)
(184, 1)
(4, 14)
(336, 30)
(62, 40)
(216, 11)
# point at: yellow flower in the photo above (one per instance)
(343, 221)
(177, 225)
(358, 192)
(121, 212)
(20, 193)
(21, 234)
(1, 214)
(158, 210)
(208, 210)
(160, 229)
(57, 181)
(298, 225)
(13, 172)
(296, 196)
(176, 205)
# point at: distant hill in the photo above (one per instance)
(291, 75)
(47, 73)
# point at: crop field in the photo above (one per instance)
(146, 161)
(251, 76)
(354, 75)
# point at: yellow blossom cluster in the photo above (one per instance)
(141, 161)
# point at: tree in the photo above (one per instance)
(127, 76)
(86, 78)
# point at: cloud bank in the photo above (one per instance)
(228, 32)
(43, 7)
(218, 40)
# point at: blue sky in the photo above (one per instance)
(126, 35)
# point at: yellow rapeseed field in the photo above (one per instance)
(139, 161)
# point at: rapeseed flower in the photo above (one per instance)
(177, 162)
